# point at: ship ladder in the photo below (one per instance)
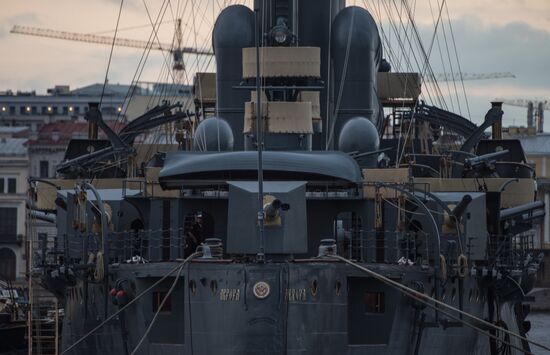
(43, 321)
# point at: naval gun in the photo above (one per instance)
(482, 165)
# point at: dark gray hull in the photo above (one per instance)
(312, 308)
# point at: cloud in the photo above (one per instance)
(515, 47)
(491, 36)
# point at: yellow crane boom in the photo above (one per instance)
(471, 76)
(91, 38)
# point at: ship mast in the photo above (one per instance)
(259, 136)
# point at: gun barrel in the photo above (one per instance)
(520, 210)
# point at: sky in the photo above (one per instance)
(490, 36)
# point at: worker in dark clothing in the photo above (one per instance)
(194, 236)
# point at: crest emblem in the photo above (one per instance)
(261, 289)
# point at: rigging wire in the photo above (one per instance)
(137, 74)
(423, 73)
(341, 89)
(458, 63)
(164, 67)
(451, 67)
(438, 42)
(111, 53)
(327, 88)
(126, 28)
(155, 31)
(159, 309)
(423, 297)
(131, 302)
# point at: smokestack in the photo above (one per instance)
(93, 116)
(540, 115)
(497, 126)
(530, 121)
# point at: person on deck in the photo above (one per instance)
(194, 236)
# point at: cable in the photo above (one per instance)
(111, 53)
(341, 89)
(421, 297)
(159, 309)
(84, 337)
(458, 63)
(470, 325)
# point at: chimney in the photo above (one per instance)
(93, 116)
(540, 116)
(55, 135)
(530, 122)
(497, 126)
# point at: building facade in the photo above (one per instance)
(35, 130)
(14, 167)
(537, 151)
(61, 105)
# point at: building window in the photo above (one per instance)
(108, 110)
(374, 302)
(12, 110)
(44, 169)
(7, 264)
(65, 110)
(8, 224)
(157, 300)
(2, 185)
(12, 185)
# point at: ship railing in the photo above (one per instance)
(385, 246)
(47, 249)
(373, 246)
(511, 251)
(132, 245)
(219, 189)
(134, 184)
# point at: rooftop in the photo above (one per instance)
(536, 144)
(110, 90)
(5, 129)
(13, 147)
(60, 133)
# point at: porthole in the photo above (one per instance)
(314, 287)
(214, 286)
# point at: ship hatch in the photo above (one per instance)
(370, 302)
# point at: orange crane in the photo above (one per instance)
(176, 49)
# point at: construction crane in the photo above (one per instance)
(526, 103)
(176, 49)
(470, 76)
(535, 110)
